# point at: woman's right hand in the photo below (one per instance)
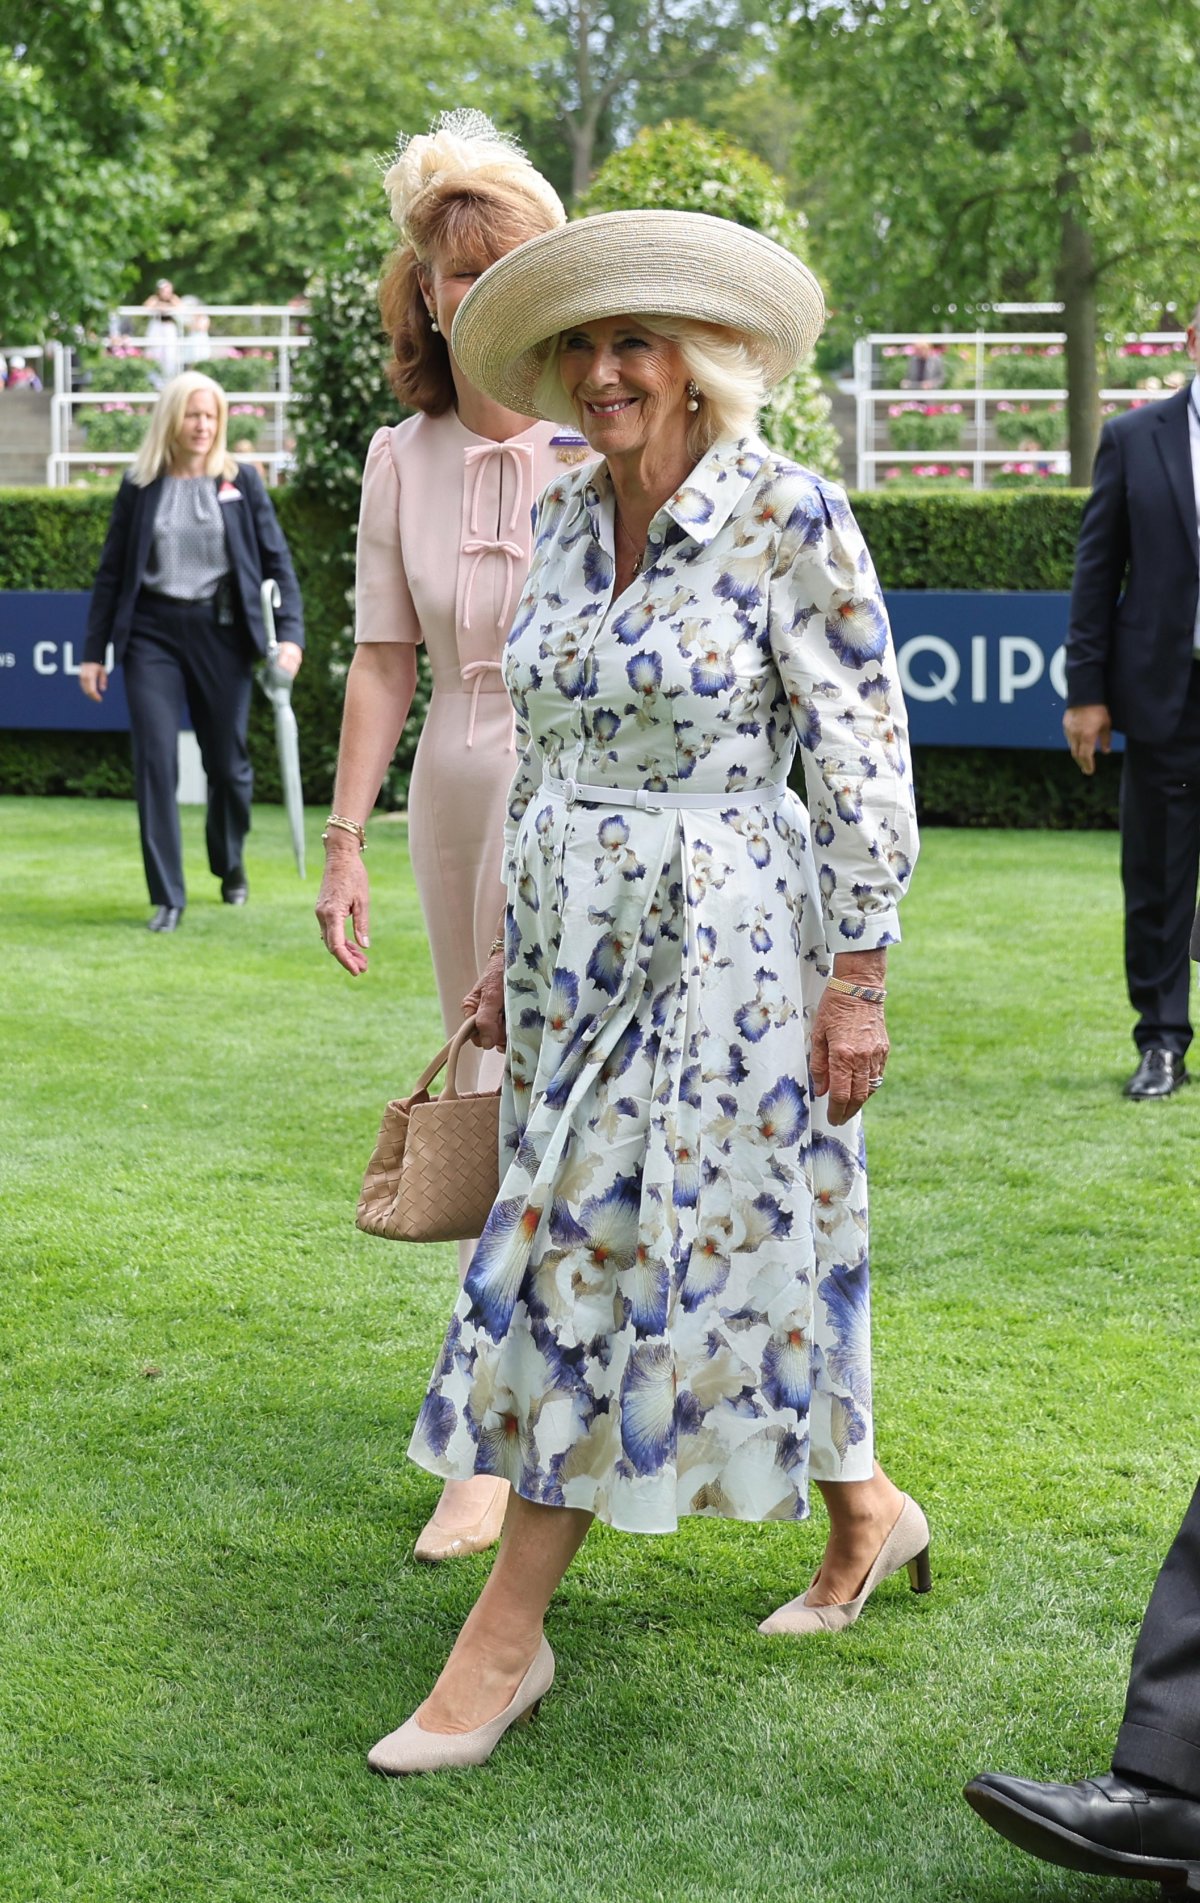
(345, 895)
(485, 1003)
(93, 678)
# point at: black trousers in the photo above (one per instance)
(1160, 862)
(1159, 1740)
(177, 652)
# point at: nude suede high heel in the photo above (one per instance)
(906, 1545)
(436, 1542)
(411, 1748)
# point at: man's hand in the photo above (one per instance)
(289, 657)
(94, 680)
(1086, 729)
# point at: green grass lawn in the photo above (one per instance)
(208, 1605)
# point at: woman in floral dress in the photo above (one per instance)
(667, 1313)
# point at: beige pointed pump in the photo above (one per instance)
(411, 1748)
(437, 1542)
(906, 1545)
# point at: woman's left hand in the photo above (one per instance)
(849, 1048)
(485, 1003)
(289, 657)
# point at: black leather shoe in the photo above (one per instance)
(234, 889)
(1104, 1825)
(166, 919)
(1159, 1074)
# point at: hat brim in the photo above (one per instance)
(640, 263)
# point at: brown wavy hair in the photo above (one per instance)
(469, 225)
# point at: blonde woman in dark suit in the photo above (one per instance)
(193, 535)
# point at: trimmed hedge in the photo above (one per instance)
(1025, 539)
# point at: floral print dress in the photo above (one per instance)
(668, 1310)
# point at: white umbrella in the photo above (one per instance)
(276, 684)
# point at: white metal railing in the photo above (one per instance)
(274, 327)
(977, 399)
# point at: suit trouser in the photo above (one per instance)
(177, 651)
(1159, 1740)
(1160, 861)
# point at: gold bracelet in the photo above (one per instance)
(870, 994)
(497, 945)
(336, 823)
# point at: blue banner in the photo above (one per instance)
(41, 646)
(982, 670)
(978, 670)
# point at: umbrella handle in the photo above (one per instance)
(270, 597)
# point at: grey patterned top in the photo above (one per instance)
(188, 556)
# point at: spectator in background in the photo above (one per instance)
(178, 595)
(163, 331)
(926, 367)
(198, 345)
(243, 449)
(3, 373)
(21, 375)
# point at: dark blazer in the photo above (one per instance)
(257, 549)
(1137, 572)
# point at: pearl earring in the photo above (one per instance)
(433, 325)
(693, 395)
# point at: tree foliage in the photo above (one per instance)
(611, 65)
(680, 167)
(1029, 149)
(280, 131)
(84, 173)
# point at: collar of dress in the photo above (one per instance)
(703, 504)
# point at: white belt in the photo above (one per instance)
(647, 799)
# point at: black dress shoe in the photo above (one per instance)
(166, 919)
(1104, 1825)
(234, 889)
(1159, 1074)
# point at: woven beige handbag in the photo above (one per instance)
(435, 1171)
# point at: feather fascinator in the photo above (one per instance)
(461, 147)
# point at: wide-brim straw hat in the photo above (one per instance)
(646, 264)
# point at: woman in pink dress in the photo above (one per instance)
(444, 544)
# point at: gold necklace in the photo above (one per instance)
(637, 558)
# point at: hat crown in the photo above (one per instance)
(644, 263)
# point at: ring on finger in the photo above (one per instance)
(874, 1083)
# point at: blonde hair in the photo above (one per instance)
(464, 192)
(462, 148)
(722, 365)
(468, 223)
(155, 456)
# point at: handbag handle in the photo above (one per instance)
(448, 1055)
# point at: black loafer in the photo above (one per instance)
(1159, 1074)
(166, 919)
(234, 890)
(1103, 1825)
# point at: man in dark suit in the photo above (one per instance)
(1142, 1818)
(1133, 663)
